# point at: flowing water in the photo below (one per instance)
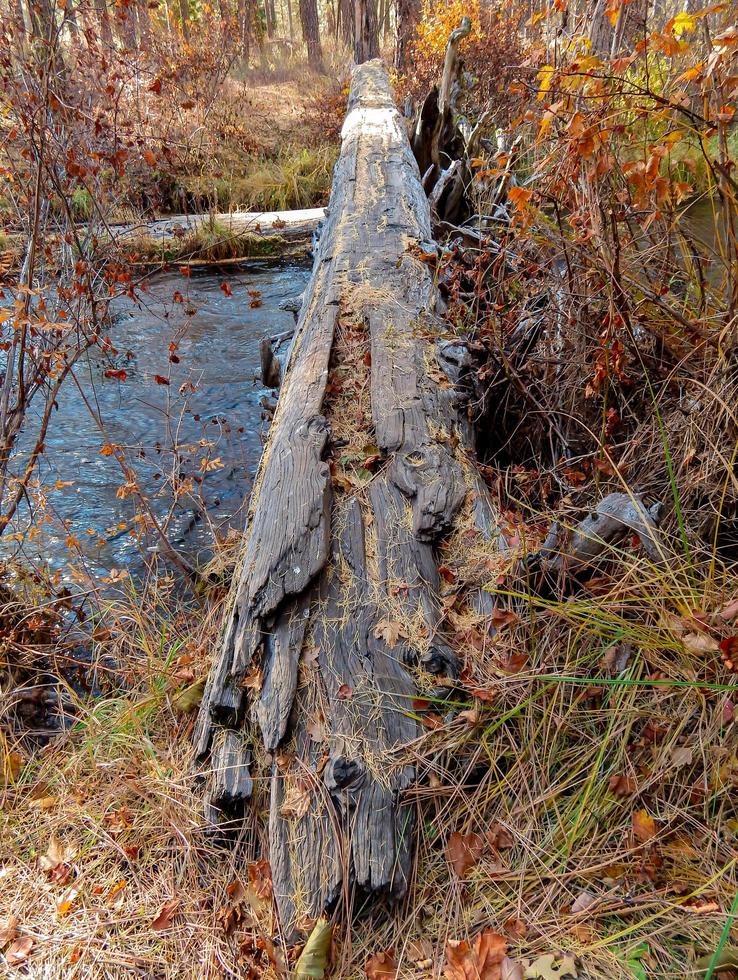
(210, 411)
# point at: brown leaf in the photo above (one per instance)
(729, 611)
(160, 379)
(19, 951)
(296, 802)
(149, 158)
(345, 692)
(482, 960)
(56, 855)
(9, 930)
(463, 851)
(498, 838)
(699, 643)
(381, 966)
(644, 826)
(260, 877)
(390, 631)
(503, 617)
(622, 785)
(10, 767)
(166, 916)
(514, 663)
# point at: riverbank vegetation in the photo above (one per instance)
(576, 783)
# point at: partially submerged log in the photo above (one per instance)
(336, 622)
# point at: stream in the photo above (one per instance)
(210, 409)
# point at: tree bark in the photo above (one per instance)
(311, 33)
(346, 18)
(184, 16)
(366, 34)
(408, 15)
(336, 624)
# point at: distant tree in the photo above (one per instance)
(346, 21)
(408, 15)
(366, 33)
(184, 16)
(311, 33)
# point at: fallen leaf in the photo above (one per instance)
(682, 756)
(516, 928)
(699, 643)
(622, 785)
(513, 663)
(463, 851)
(550, 968)
(644, 826)
(56, 854)
(166, 915)
(66, 903)
(12, 763)
(296, 802)
(345, 692)
(313, 960)
(189, 698)
(260, 877)
(390, 631)
(582, 902)
(510, 970)
(9, 930)
(729, 611)
(225, 288)
(381, 966)
(499, 838)
(480, 960)
(149, 158)
(19, 951)
(503, 617)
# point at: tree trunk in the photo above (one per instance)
(289, 20)
(408, 15)
(366, 40)
(336, 624)
(311, 33)
(346, 19)
(269, 22)
(184, 16)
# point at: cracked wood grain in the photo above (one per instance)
(324, 566)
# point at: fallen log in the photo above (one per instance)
(263, 232)
(336, 625)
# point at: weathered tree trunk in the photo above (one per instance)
(408, 15)
(311, 33)
(336, 622)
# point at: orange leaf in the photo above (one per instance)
(381, 966)
(149, 158)
(482, 960)
(520, 196)
(644, 826)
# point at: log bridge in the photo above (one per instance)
(335, 625)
